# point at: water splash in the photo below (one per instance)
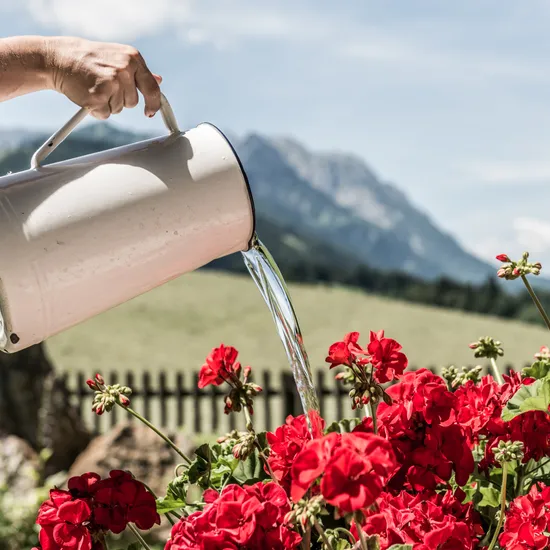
(272, 286)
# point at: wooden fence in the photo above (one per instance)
(174, 401)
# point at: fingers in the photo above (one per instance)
(116, 103)
(130, 94)
(101, 113)
(148, 85)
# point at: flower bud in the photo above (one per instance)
(247, 371)
(124, 401)
(473, 345)
(92, 384)
(503, 258)
(98, 408)
(501, 273)
(99, 379)
(244, 446)
(507, 451)
(237, 369)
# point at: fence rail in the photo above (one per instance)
(174, 401)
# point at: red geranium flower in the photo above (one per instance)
(479, 412)
(71, 519)
(287, 441)
(219, 366)
(354, 468)
(427, 521)
(386, 357)
(121, 499)
(65, 536)
(527, 521)
(244, 518)
(346, 351)
(62, 507)
(420, 425)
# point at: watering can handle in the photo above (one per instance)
(56, 139)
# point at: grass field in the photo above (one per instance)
(175, 326)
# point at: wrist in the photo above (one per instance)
(49, 54)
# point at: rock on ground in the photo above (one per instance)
(134, 447)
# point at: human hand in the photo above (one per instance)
(102, 77)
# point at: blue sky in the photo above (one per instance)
(448, 100)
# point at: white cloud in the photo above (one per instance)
(533, 235)
(107, 19)
(223, 23)
(506, 172)
(217, 22)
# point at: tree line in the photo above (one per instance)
(489, 298)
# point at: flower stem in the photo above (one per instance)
(139, 537)
(248, 418)
(306, 541)
(159, 433)
(373, 407)
(266, 462)
(496, 372)
(536, 300)
(349, 534)
(520, 480)
(321, 532)
(361, 534)
(502, 506)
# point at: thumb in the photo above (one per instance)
(158, 78)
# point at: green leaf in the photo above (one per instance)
(491, 497)
(343, 426)
(262, 440)
(535, 397)
(401, 547)
(249, 470)
(167, 504)
(134, 546)
(538, 370)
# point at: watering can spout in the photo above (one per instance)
(81, 236)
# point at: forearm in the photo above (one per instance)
(23, 66)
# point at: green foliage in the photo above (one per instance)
(18, 512)
(345, 425)
(534, 397)
(213, 467)
(538, 370)
(401, 547)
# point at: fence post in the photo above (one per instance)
(320, 387)
(81, 393)
(214, 402)
(162, 397)
(114, 411)
(289, 394)
(197, 403)
(267, 398)
(180, 392)
(130, 384)
(147, 391)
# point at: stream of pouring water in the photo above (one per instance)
(270, 282)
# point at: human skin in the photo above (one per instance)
(101, 77)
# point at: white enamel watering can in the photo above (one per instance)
(82, 236)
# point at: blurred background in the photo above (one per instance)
(393, 150)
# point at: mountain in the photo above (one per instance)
(326, 208)
(338, 199)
